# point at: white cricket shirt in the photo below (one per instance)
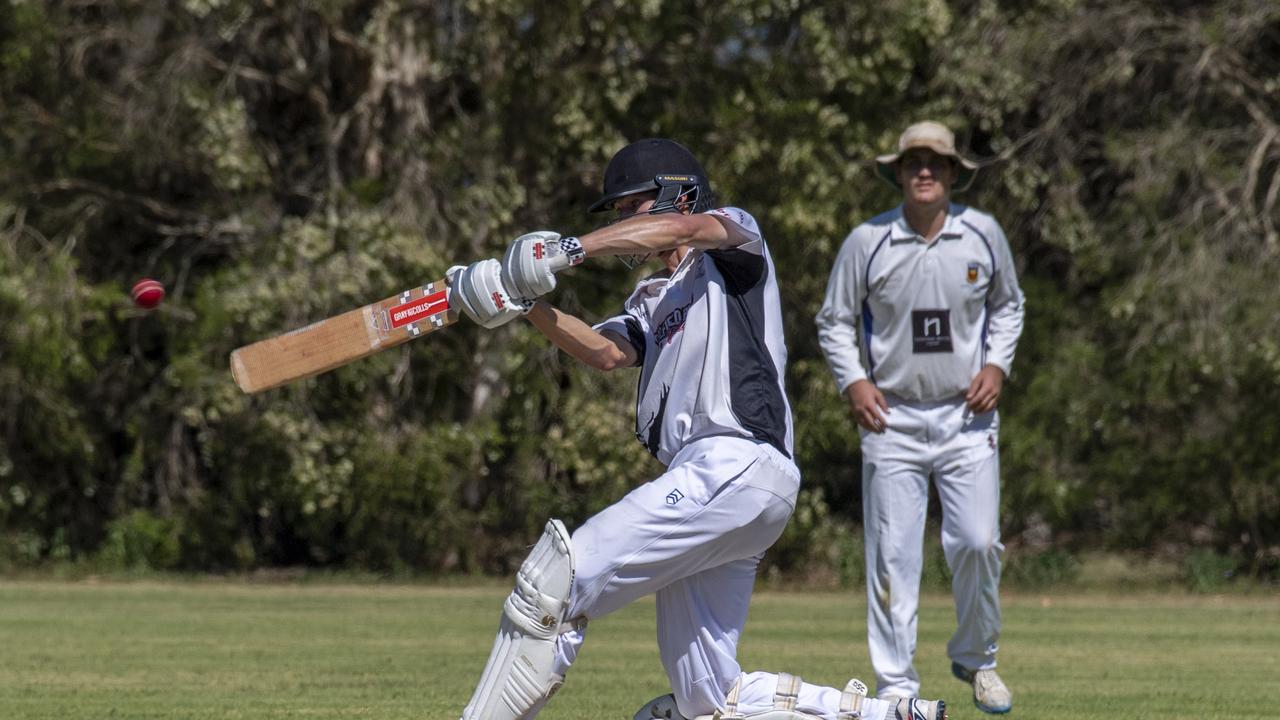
(921, 319)
(710, 347)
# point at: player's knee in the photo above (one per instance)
(692, 703)
(975, 544)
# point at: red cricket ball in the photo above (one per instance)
(147, 293)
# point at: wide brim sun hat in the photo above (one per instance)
(936, 137)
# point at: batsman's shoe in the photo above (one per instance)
(660, 708)
(990, 693)
(917, 709)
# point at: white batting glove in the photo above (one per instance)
(530, 265)
(478, 289)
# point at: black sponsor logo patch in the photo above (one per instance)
(931, 331)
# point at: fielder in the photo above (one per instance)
(707, 336)
(922, 315)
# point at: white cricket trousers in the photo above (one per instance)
(958, 449)
(694, 536)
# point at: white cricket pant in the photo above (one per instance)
(958, 449)
(694, 536)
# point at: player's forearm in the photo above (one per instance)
(1000, 355)
(1006, 307)
(837, 329)
(1003, 330)
(843, 359)
(839, 343)
(655, 233)
(577, 339)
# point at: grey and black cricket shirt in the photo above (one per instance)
(920, 319)
(710, 347)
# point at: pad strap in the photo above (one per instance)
(788, 692)
(730, 711)
(785, 698)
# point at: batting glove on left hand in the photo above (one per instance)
(530, 265)
(478, 289)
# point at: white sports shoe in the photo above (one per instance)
(900, 708)
(990, 694)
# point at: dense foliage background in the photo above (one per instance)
(277, 162)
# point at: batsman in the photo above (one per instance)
(706, 335)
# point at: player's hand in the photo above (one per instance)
(984, 391)
(478, 289)
(868, 405)
(530, 265)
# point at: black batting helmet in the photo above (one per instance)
(657, 164)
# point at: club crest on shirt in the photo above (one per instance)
(674, 497)
(973, 273)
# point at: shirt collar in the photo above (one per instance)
(951, 227)
(686, 262)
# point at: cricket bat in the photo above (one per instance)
(341, 339)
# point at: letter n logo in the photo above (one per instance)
(930, 331)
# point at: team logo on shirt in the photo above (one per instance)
(673, 323)
(973, 273)
(674, 497)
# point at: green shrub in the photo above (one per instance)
(1040, 569)
(1204, 570)
(141, 541)
(851, 560)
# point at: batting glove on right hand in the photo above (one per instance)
(530, 265)
(478, 289)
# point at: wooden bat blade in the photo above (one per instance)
(341, 339)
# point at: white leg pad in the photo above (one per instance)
(784, 703)
(852, 704)
(766, 715)
(852, 700)
(518, 678)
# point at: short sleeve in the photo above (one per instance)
(628, 326)
(744, 220)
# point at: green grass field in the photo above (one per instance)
(210, 649)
